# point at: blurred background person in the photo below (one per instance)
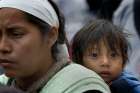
(127, 16)
(76, 13)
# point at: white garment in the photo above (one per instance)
(73, 78)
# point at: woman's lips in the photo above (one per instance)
(6, 63)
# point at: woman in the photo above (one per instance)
(33, 52)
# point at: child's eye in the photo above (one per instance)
(113, 54)
(94, 55)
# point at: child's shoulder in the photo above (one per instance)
(126, 83)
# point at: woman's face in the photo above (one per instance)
(108, 64)
(23, 49)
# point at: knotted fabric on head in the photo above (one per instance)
(44, 11)
(39, 8)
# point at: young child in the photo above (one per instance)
(101, 47)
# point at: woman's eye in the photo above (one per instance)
(16, 33)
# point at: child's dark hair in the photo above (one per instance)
(95, 32)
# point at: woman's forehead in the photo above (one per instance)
(11, 15)
(41, 9)
(11, 12)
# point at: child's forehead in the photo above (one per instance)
(97, 44)
(103, 44)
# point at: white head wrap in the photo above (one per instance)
(62, 54)
(39, 8)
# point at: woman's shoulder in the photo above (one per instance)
(3, 79)
(75, 78)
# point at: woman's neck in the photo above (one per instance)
(27, 82)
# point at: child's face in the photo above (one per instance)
(108, 64)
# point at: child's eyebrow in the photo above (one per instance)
(93, 48)
(117, 50)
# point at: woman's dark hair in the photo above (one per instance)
(62, 35)
(42, 25)
(46, 27)
(95, 32)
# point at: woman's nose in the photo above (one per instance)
(4, 45)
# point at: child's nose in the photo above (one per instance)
(105, 61)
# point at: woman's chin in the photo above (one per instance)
(10, 74)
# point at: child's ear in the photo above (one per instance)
(52, 35)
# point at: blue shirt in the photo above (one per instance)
(126, 83)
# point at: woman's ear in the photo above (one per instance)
(52, 36)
